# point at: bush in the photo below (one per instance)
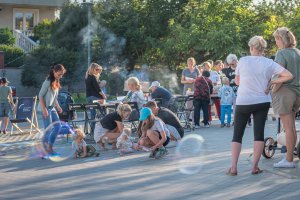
(13, 56)
(7, 37)
(42, 31)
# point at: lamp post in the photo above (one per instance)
(88, 4)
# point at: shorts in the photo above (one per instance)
(4, 109)
(166, 142)
(173, 131)
(285, 101)
(99, 132)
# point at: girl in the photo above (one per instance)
(155, 135)
(111, 126)
(82, 150)
(135, 93)
(93, 90)
(6, 102)
(49, 105)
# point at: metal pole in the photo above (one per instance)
(89, 33)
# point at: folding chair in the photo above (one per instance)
(134, 116)
(88, 121)
(25, 113)
(75, 107)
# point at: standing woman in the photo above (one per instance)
(50, 106)
(92, 88)
(6, 101)
(286, 99)
(189, 75)
(252, 75)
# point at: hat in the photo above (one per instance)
(4, 80)
(144, 113)
(154, 84)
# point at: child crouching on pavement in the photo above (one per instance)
(124, 142)
(82, 150)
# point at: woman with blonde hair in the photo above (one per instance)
(189, 75)
(92, 88)
(135, 94)
(286, 100)
(111, 126)
(252, 76)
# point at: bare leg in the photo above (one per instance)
(258, 149)
(235, 153)
(5, 123)
(288, 122)
(153, 136)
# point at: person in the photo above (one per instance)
(125, 143)
(219, 66)
(6, 102)
(135, 93)
(286, 100)
(155, 135)
(227, 95)
(50, 106)
(103, 85)
(111, 126)
(252, 75)
(203, 90)
(189, 75)
(160, 93)
(81, 149)
(215, 78)
(92, 88)
(169, 118)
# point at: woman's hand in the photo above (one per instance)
(59, 109)
(45, 112)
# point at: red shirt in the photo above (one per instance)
(203, 88)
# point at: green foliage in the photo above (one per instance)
(42, 31)
(6, 37)
(13, 56)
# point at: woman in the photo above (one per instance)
(135, 94)
(6, 102)
(203, 90)
(50, 106)
(252, 75)
(189, 75)
(155, 135)
(93, 90)
(111, 126)
(285, 100)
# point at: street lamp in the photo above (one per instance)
(89, 5)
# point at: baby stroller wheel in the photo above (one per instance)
(269, 149)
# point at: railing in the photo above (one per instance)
(24, 42)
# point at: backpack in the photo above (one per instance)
(64, 99)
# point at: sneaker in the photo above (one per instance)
(161, 151)
(222, 125)
(206, 126)
(284, 164)
(197, 126)
(228, 125)
(153, 153)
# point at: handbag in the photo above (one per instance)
(211, 102)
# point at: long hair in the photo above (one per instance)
(287, 37)
(91, 69)
(54, 83)
(135, 81)
(149, 122)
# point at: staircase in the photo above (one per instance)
(24, 42)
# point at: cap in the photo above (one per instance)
(154, 84)
(144, 113)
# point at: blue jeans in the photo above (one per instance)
(225, 109)
(51, 134)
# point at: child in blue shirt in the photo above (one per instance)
(227, 96)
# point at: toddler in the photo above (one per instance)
(82, 150)
(124, 142)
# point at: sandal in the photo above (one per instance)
(257, 171)
(230, 173)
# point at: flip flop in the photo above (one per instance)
(229, 173)
(257, 171)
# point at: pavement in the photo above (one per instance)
(135, 176)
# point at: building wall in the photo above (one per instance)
(6, 14)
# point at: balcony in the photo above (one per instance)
(50, 3)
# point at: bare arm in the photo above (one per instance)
(237, 79)
(162, 140)
(119, 126)
(283, 77)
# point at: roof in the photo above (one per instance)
(51, 3)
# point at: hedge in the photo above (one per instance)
(13, 56)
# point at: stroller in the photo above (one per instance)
(271, 145)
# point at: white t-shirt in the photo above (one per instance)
(255, 73)
(160, 126)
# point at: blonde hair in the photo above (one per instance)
(90, 70)
(287, 37)
(225, 81)
(123, 108)
(134, 81)
(258, 43)
(79, 133)
(208, 64)
(193, 60)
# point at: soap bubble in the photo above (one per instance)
(189, 154)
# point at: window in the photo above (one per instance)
(25, 19)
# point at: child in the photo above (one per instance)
(124, 142)
(227, 96)
(82, 150)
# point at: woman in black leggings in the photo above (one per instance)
(253, 74)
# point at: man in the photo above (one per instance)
(160, 93)
(169, 118)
